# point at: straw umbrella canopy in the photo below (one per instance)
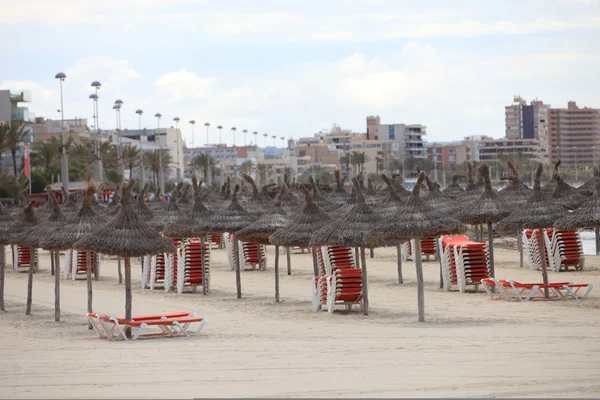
(113, 207)
(6, 221)
(319, 199)
(289, 202)
(185, 225)
(350, 230)
(401, 190)
(69, 207)
(586, 216)
(258, 202)
(415, 221)
(565, 195)
(453, 190)
(167, 215)
(538, 213)
(471, 192)
(339, 195)
(436, 199)
(589, 187)
(184, 202)
(487, 209)
(550, 187)
(141, 208)
(346, 208)
(155, 203)
(391, 206)
(22, 223)
(126, 235)
(301, 227)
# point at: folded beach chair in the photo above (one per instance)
(76, 264)
(169, 325)
(216, 240)
(23, 257)
(428, 248)
(464, 262)
(252, 255)
(566, 250)
(335, 257)
(193, 267)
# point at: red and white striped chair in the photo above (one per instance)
(464, 262)
(23, 257)
(216, 240)
(337, 257)
(427, 248)
(565, 250)
(193, 267)
(162, 269)
(253, 255)
(76, 264)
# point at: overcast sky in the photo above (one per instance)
(294, 67)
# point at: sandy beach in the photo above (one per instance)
(469, 346)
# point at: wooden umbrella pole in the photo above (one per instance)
(277, 274)
(438, 254)
(543, 259)
(57, 286)
(315, 261)
(238, 277)
(520, 248)
(491, 249)
(204, 267)
(365, 281)
(259, 253)
(420, 285)
(597, 236)
(121, 272)
(88, 271)
(372, 250)
(96, 263)
(2, 265)
(30, 282)
(51, 263)
(288, 254)
(127, 295)
(399, 255)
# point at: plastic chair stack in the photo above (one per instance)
(427, 248)
(337, 257)
(216, 239)
(76, 264)
(464, 262)
(193, 268)
(253, 255)
(564, 250)
(23, 257)
(160, 269)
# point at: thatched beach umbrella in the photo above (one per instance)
(113, 206)
(565, 195)
(350, 231)
(258, 202)
(184, 202)
(391, 206)
(168, 215)
(69, 207)
(586, 216)
(301, 228)
(185, 226)
(6, 221)
(319, 199)
(538, 213)
(126, 235)
(415, 221)
(85, 221)
(487, 209)
(289, 202)
(232, 219)
(589, 187)
(141, 208)
(436, 199)
(453, 190)
(26, 220)
(550, 187)
(260, 230)
(339, 195)
(35, 235)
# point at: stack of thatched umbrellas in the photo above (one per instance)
(260, 230)
(25, 221)
(538, 213)
(487, 209)
(185, 227)
(301, 228)
(34, 236)
(231, 219)
(415, 221)
(6, 221)
(350, 231)
(83, 223)
(125, 236)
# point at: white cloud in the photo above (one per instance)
(183, 84)
(110, 72)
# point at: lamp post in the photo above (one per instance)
(245, 131)
(117, 108)
(265, 136)
(161, 171)
(176, 119)
(64, 160)
(207, 125)
(233, 134)
(219, 129)
(192, 123)
(94, 98)
(139, 112)
(100, 173)
(282, 142)
(274, 137)
(255, 138)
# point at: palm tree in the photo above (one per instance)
(204, 162)
(246, 167)
(13, 135)
(156, 161)
(45, 156)
(109, 155)
(3, 141)
(263, 172)
(131, 158)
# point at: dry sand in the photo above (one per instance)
(470, 346)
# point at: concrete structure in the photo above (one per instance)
(495, 150)
(449, 154)
(76, 129)
(11, 111)
(523, 121)
(574, 135)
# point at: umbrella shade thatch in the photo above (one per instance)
(260, 230)
(589, 187)
(126, 235)
(402, 192)
(184, 202)
(339, 195)
(346, 208)
(550, 187)
(232, 218)
(141, 208)
(289, 202)
(258, 202)
(54, 223)
(83, 223)
(185, 226)
(471, 192)
(27, 220)
(302, 225)
(453, 190)
(69, 207)
(586, 216)
(320, 200)
(565, 195)
(6, 221)
(167, 215)
(436, 199)
(393, 202)
(516, 193)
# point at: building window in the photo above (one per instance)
(451, 150)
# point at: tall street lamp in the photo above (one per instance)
(140, 112)
(161, 171)
(219, 129)
(192, 123)
(233, 134)
(282, 142)
(265, 136)
(117, 108)
(245, 131)
(176, 119)
(94, 98)
(100, 172)
(207, 125)
(64, 160)
(274, 137)
(255, 138)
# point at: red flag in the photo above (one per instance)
(26, 160)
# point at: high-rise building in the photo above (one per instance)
(372, 123)
(528, 121)
(574, 135)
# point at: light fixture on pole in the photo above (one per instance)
(94, 98)
(140, 112)
(207, 125)
(245, 131)
(161, 170)
(265, 136)
(255, 138)
(219, 129)
(192, 123)
(274, 137)
(233, 134)
(176, 119)
(117, 108)
(64, 160)
(282, 142)
(100, 177)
